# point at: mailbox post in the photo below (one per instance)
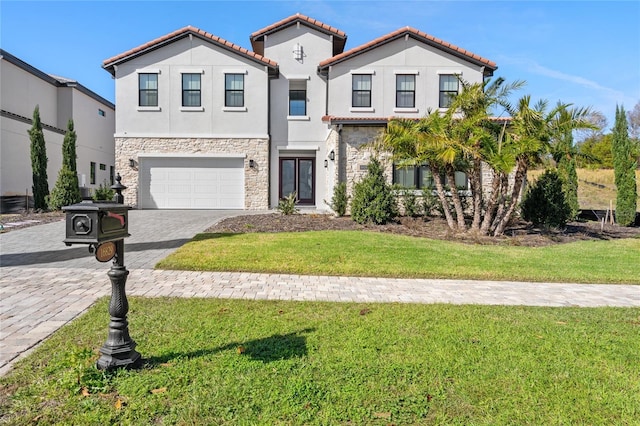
(103, 226)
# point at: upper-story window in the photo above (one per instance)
(405, 91)
(148, 90)
(448, 89)
(298, 97)
(361, 91)
(233, 90)
(191, 94)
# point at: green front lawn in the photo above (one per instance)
(358, 253)
(289, 363)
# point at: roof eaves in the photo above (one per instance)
(298, 17)
(384, 120)
(429, 39)
(108, 64)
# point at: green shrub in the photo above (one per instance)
(410, 203)
(287, 205)
(373, 200)
(103, 193)
(340, 199)
(66, 190)
(430, 202)
(545, 203)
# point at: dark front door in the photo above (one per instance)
(297, 174)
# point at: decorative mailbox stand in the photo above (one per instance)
(103, 226)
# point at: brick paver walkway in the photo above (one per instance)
(44, 285)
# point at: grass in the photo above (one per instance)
(596, 188)
(358, 253)
(289, 363)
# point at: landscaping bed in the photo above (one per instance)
(519, 234)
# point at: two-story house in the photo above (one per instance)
(204, 123)
(59, 100)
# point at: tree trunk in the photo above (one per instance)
(521, 173)
(455, 196)
(492, 203)
(475, 181)
(437, 179)
(502, 201)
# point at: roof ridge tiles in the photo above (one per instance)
(407, 30)
(185, 30)
(298, 16)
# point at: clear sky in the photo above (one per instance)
(581, 52)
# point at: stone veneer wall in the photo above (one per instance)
(354, 140)
(256, 182)
(358, 153)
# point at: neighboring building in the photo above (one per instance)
(59, 99)
(205, 123)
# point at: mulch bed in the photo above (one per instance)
(520, 234)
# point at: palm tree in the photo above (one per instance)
(501, 157)
(529, 140)
(475, 131)
(415, 142)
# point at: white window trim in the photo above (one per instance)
(298, 118)
(407, 72)
(364, 72)
(192, 109)
(234, 109)
(300, 147)
(149, 108)
(449, 72)
(235, 71)
(148, 71)
(362, 109)
(405, 110)
(298, 77)
(192, 71)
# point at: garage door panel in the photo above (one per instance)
(192, 183)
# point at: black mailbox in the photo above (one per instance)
(91, 222)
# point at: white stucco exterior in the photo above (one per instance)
(401, 56)
(59, 100)
(170, 118)
(284, 150)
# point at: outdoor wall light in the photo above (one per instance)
(252, 164)
(132, 162)
(332, 155)
(326, 163)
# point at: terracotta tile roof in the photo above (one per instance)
(183, 32)
(429, 39)
(298, 18)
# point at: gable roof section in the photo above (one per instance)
(110, 63)
(54, 80)
(418, 35)
(339, 39)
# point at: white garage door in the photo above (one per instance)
(191, 183)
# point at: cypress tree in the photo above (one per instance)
(624, 165)
(567, 171)
(67, 189)
(38, 162)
